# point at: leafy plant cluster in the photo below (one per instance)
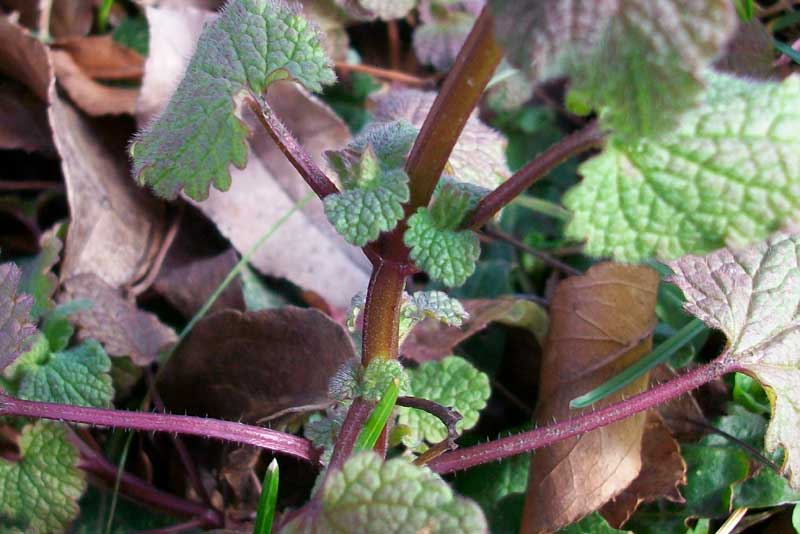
(689, 187)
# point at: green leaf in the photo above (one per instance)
(712, 471)
(748, 392)
(372, 201)
(451, 382)
(38, 279)
(437, 246)
(753, 296)
(369, 495)
(729, 174)
(268, 500)
(436, 305)
(252, 44)
(379, 375)
(638, 62)
(79, 376)
(592, 524)
(796, 518)
(40, 491)
(57, 328)
(489, 483)
(16, 328)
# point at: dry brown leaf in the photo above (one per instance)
(24, 58)
(68, 18)
(92, 97)
(600, 323)
(749, 53)
(100, 57)
(254, 364)
(23, 120)
(122, 328)
(433, 340)
(113, 224)
(663, 470)
(306, 249)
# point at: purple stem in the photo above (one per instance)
(542, 437)
(157, 422)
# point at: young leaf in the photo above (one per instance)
(638, 62)
(370, 495)
(268, 500)
(37, 277)
(372, 201)
(729, 173)
(40, 491)
(16, 327)
(753, 296)
(79, 376)
(252, 44)
(437, 245)
(452, 382)
(379, 375)
(434, 304)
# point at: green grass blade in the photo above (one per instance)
(377, 419)
(661, 353)
(787, 50)
(268, 500)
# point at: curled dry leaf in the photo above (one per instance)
(68, 18)
(114, 225)
(433, 340)
(23, 120)
(24, 58)
(600, 323)
(122, 328)
(306, 249)
(254, 364)
(663, 470)
(101, 57)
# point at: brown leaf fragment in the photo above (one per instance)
(122, 328)
(749, 52)
(16, 327)
(663, 470)
(433, 340)
(92, 97)
(100, 57)
(23, 120)
(254, 364)
(600, 323)
(113, 223)
(24, 58)
(68, 18)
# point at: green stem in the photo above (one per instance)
(102, 15)
(542, 206)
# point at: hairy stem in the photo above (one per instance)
(317, 180)
(460, 93)
(382, 312)
(576, 143)
(157, 422)
(542, 437)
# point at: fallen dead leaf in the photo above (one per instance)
(68, 18)
(24, 58)
(749, 53)
(114, 225)
(122, 328)
(306, 249)
(92, 97)
(663, 470)
(254, 364)
(23, 120)
(100, 57)
(433, 340)
(601, 322)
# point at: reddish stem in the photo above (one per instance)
(576, 143)
(382, 312)
(542, 437)
(157, 422)
(317, 180)
(386, 74)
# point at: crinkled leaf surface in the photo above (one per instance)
(452, 382)
(638, 62)
(196, 138)
(753, 296)
(40, 491)
(436, 305)
(377, 377)
(16, 327)
(79, 376)
(370, 495)
(372, 201)
(443, 31)
(437, 245)
(729, 173)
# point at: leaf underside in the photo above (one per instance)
(16, 326)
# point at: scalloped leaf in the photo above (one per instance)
(437, 305)
(40, 491)
(377, 377)
(437, 246)
(441, 35)
(16, 327)
(393, 497)
(252, 44)
(372, 202)
(79, 376)
(729, 174)
(638, 62)
(753, 296)
(452, 382)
